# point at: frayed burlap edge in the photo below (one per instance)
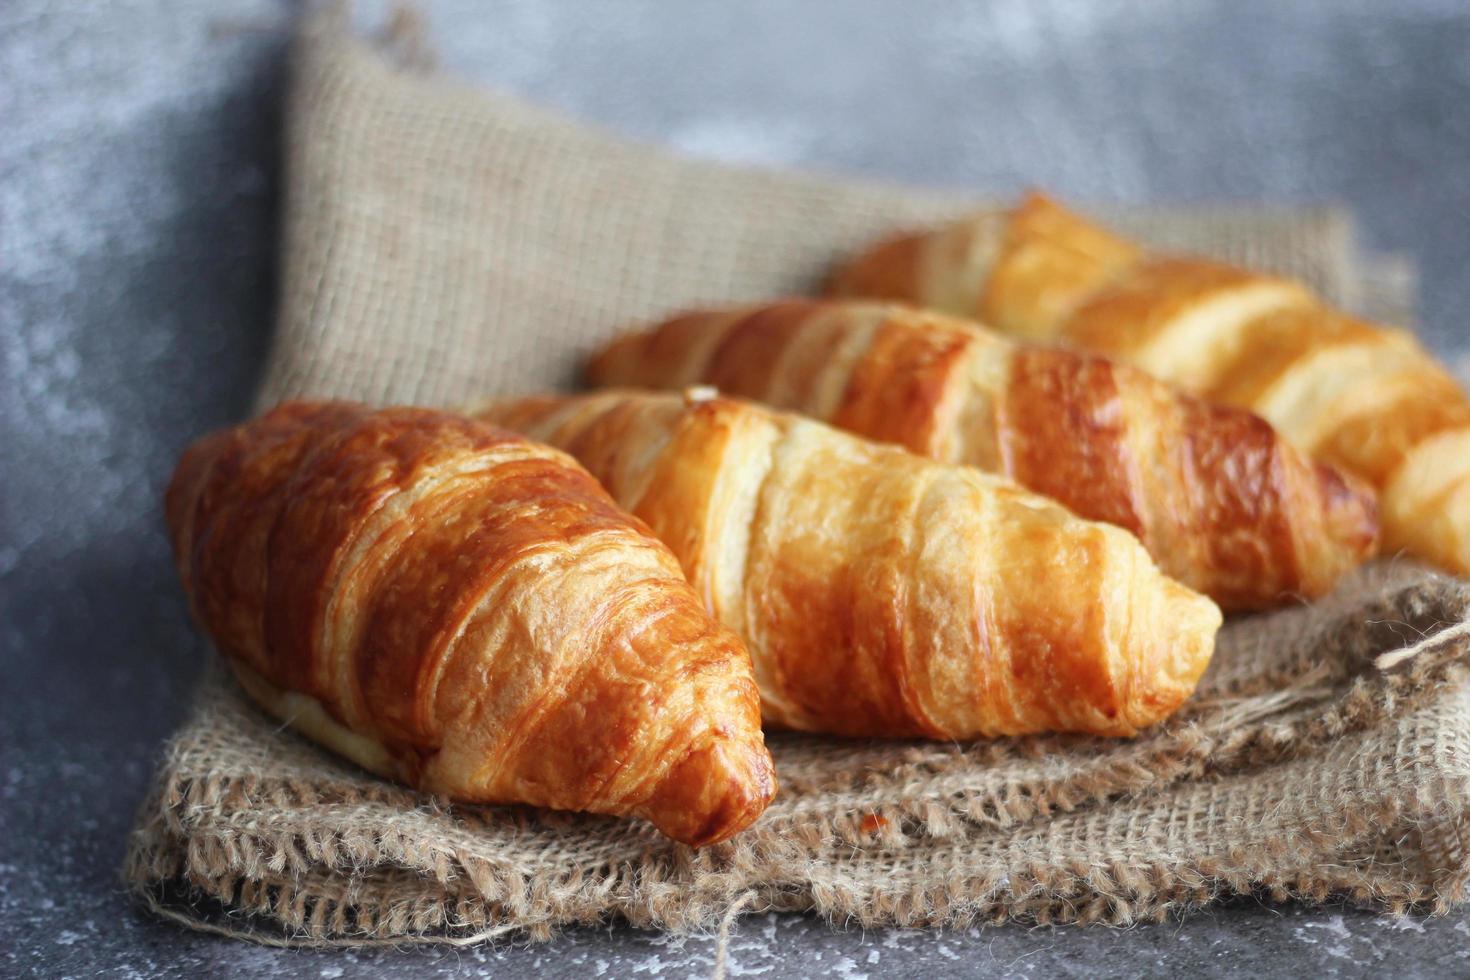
(388, 885)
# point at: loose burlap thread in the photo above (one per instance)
(443, 244)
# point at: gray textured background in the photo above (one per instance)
(138, 146)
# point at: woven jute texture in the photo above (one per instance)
(443, 244)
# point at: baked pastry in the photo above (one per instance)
(883, 594)
(1361, 396)
(1219, 499)
(456, 607)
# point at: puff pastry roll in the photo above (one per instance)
(1361, 396)
(1219, 499)
(456, 607)
(884, 594)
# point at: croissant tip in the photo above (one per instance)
(1180, 649)
(597, 368)
(1352, 512)
(715, 792)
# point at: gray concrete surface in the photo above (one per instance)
(138, 186)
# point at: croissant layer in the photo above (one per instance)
(1221, 502)
(884, 594)
(452, 605)
(1361, 396)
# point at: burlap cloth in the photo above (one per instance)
(442, 244)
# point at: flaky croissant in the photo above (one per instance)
(1221, 502)
(1358, 395)
(884, 594)
(454, 606)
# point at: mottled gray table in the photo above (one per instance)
(137, 195)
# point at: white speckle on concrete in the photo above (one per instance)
(736, 968)
(892, 937)
(1333, 925)
(652, 965)
(847, 969)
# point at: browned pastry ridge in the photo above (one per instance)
(1361, 396)
(884, 594)
(454, 606)
(1219, 499)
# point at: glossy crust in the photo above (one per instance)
(1220, 501)
(451, 605)
(1361, 396)
(884, 594)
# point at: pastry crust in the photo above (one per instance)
(454, 606)
(1361, 396)
(884, 594)
(1218, 498)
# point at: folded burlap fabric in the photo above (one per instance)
(443, 244)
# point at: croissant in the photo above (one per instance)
(1221, 502)
(451, 605)
(883, 594)
(1361, 396)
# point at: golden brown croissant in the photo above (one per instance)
(454, 606)
(1358, 395)
(1222, 503)
(885, 594)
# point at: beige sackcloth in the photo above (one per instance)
(443, 244)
